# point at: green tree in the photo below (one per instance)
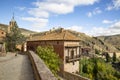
(114, 57)
(96, 70)
(97, 51)
(50, 58)
(107, 57)
(13, 38)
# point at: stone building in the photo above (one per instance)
(64, 43)
(2, 44)
(3, 30)
(12, 23)
(2, 34)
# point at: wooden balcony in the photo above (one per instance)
(71, 59)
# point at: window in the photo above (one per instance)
(73, 63)
(2, 32)
(72, 54)
(57, 42)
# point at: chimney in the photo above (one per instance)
(30, 36)
(61, 30)
(46, 33)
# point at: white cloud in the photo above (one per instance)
(32, 19)
(94, 12)
(107, 21)
(111, 30)
(36, 22)
(37, 12)
(115, 5)
(75, 28)
(58, 8)
(73, 2)
(115, 25)
(97, 11)
(89, 14)
(62, 6)
(44, 9)
(109, 8)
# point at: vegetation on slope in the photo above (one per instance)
(98, 69)
(113, 40)
(94, 42)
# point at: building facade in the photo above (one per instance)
(2, 44)
(65, 44)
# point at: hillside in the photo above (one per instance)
(102, 43)
(113, 40)
(87, 41)
(94, 42)
(23, 31)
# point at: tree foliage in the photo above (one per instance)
(95, 69)
(97, 51)
(98, 69)
(108, 59)
(114, 57)
(50, 58)
(13, 38)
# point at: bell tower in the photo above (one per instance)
(12, 23)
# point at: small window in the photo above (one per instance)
(72, 54)
(73, 63)
(57, 42)
(2, 32)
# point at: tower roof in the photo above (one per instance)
(13, 20)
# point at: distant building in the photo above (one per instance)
(12, 23)
(64, 43)
(2, 34)
(5, 29)
(2, 44)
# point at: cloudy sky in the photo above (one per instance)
(93, 17)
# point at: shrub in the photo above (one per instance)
(50, 58)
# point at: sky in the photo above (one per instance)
(93, 17)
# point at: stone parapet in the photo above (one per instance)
(72, 76)
(41, 71)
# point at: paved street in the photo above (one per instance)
(15, 67)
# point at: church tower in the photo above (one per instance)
(12, 23)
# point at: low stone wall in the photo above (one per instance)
(72, 76)
(41, 71)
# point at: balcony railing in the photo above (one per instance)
(72, 58)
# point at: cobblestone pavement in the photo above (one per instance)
(15, 67)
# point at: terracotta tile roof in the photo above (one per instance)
(55, 35)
